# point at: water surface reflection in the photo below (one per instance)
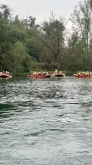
(46, 121)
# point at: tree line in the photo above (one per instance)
(26, 46)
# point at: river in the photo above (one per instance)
(46, 121)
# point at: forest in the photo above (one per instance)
(26, 46)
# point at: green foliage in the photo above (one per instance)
(5, 45)
(52, 36)
(33, 43)
(25, 46)
(20, 59)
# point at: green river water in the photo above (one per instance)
(46, 121)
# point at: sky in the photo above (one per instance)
(41, 9)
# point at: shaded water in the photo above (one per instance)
(46, 121)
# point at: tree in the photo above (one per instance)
(82, 21)
(32, 43)
(52, 35)
(6, 12)
(90, 3)
(5, 44)
(30, 22)
(75, 52)
(21, 61)
(17, 22)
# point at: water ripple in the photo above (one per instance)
(46, 121)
